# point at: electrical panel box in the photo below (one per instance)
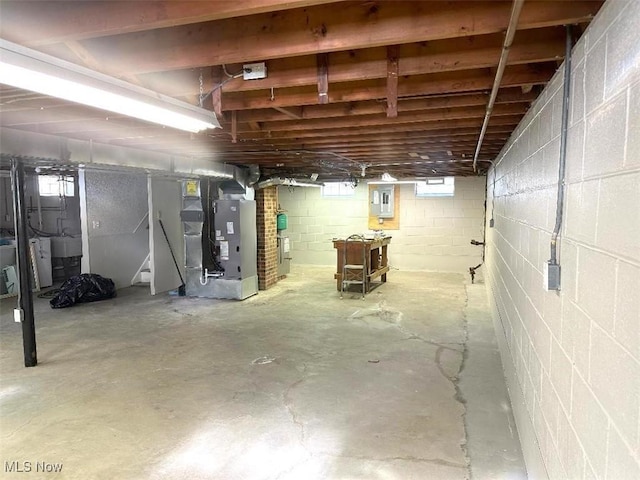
(236, 239)
(381, 203)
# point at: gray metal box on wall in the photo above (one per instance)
(284, 255)
(235, 229)
(381, 201)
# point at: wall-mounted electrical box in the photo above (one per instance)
(381, 201)
(551, 276)
(254, 71)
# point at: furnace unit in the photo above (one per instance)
(220, 244)
(236, 239)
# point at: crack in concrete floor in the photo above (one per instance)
(321, 398)
(394, 317)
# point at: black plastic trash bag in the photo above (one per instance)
(88, 287)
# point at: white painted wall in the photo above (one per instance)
(572, 358)
(435, 232)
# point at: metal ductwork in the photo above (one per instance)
(42, 149)
(289, 182)
(254, 174)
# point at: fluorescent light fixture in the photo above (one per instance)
(31, 70)
(387, 178)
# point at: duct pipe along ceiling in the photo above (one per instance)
(289, 182)
(40, 148)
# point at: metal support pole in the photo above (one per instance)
(25, 296)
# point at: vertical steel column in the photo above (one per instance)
(25, 297)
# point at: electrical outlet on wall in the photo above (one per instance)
(95, 224)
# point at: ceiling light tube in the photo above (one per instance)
(28, 69)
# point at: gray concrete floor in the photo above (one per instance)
(293, 383)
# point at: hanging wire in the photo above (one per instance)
(235, 75)
(203, 97)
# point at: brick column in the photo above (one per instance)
(266, 211)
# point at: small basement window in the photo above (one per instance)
(338, 189)
(56, 186)
(436, 187)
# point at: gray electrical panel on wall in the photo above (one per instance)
(381, 201)
(235, 229)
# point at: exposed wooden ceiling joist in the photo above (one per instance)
(405, 81)
(321, 29)
(45, 22)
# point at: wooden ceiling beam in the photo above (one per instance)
(467, 81)
(424, 126)
(417, 59)
(53, 22)
(392, 81)
(295, 113)
(415, 142)
(422, 147)
(215, 74)
(371, 120)
(323, 78)
(234, 127)
(322, 29)
(371, 107)
(337, 139)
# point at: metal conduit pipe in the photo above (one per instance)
(553, 268)
(506, 46)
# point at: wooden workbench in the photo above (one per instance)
(376, 259)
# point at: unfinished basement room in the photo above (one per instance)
(320, 239)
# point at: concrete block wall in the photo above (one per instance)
(572, 358)
(266, 211)
(434, 234)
